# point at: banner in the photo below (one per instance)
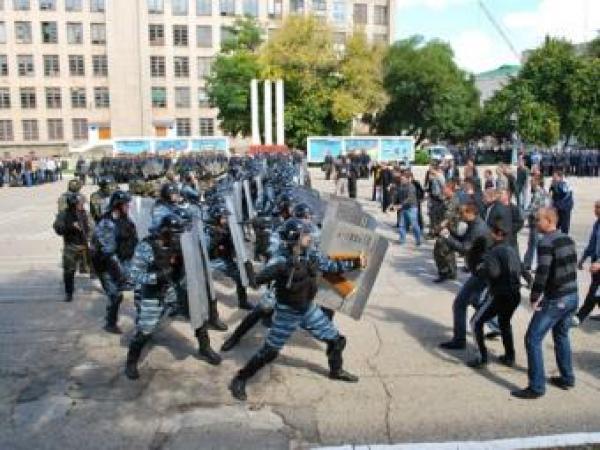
(397, 149)
(132, 146)
(371, 146)
(318, 148)
(209, 144)
(168, 145)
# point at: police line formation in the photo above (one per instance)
(254, 219)
(479, 218)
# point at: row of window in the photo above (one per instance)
(28, 97)
(51, 63)
(49, 33)
(180, 33)
(182, 96)
(51, 5)
(55, 128)
(181, 66)
(206, 126)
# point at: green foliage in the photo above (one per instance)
(429, 96)
(587, 98)
(422, 157)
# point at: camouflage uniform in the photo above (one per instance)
(99, 203)
(443, 255)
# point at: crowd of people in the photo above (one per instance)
(106, 242)
(478, 216)
(29, 171)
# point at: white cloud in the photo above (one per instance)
(576, 20)
(478, 51)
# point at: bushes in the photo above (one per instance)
(421, 157)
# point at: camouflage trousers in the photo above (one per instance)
(74, 257)
(445, 258)
(436, 215)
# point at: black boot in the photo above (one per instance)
(112, 315)
(242, 295)
(264, 356)
(133, 355)
(204, 349)
(69, 280)
(247, 323)
(334, 354)
(213, 317)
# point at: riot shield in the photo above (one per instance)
(313, 199)
(259, 192)
(237, 200)
(343, 211)
(197, 213)
(348, 293)
(196, 283)
(141, 214)
(248, 196)
(237, 236)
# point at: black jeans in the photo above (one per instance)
(504, 307)
(591, 299)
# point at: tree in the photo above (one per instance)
(586, 94)
(228, 86)
(429, 96)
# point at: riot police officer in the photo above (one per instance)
(114, 242)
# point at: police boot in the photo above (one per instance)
(335, 348)
(112, 316)
(247, 323)
(213, 317)
(243, 302)
(133, 355)
(204, 349)
(69, 280)
(264, 356)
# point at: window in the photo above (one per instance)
(182, 97)
(156, 34)
(76, 65)
(51, 66)
(23, 32)
(21, 5)
(227, 34)
(274, 9)
(74, 32)
(250, 8)
(180, 35)
(207, 127)
(73, 5)
(381, 15)
(181, 66)
(78, 98)
(47, 5)
(360, 13)
(204, 66)
(100, 65)
(203, 101)
(179, 7)
(6, 131)
(204, 37)
(25, 64)
(227, 7)
(380, 38)
(184, 126)
(204, 7)
(28, 98)
(49, 33)
(3, 66)
(2, 33)
(80, 129)
(55, 129)
(30, 130)
(53, 98)
(159, 97)
(319, 5)
(155, 6)
(98, 32)
(4, 98)
(297, 6)
(157, 66)
(97, 5)
(338, 11)
(101, 97)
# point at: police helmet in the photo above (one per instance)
(119, 198)
(302, 211)
(172, 223)
(218, 211)
(105, 181)
(167, 191)
(293, 229)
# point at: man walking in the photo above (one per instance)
(554, 300)
(592, 251)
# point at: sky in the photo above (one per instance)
(477, 45)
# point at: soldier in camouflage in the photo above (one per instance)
(73, 187)
(443, 255)
(99, 199)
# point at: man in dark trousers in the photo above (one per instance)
(592, 251)
(554, 299)
(562, 200)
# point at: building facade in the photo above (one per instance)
(78, 70)
(488, 83)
